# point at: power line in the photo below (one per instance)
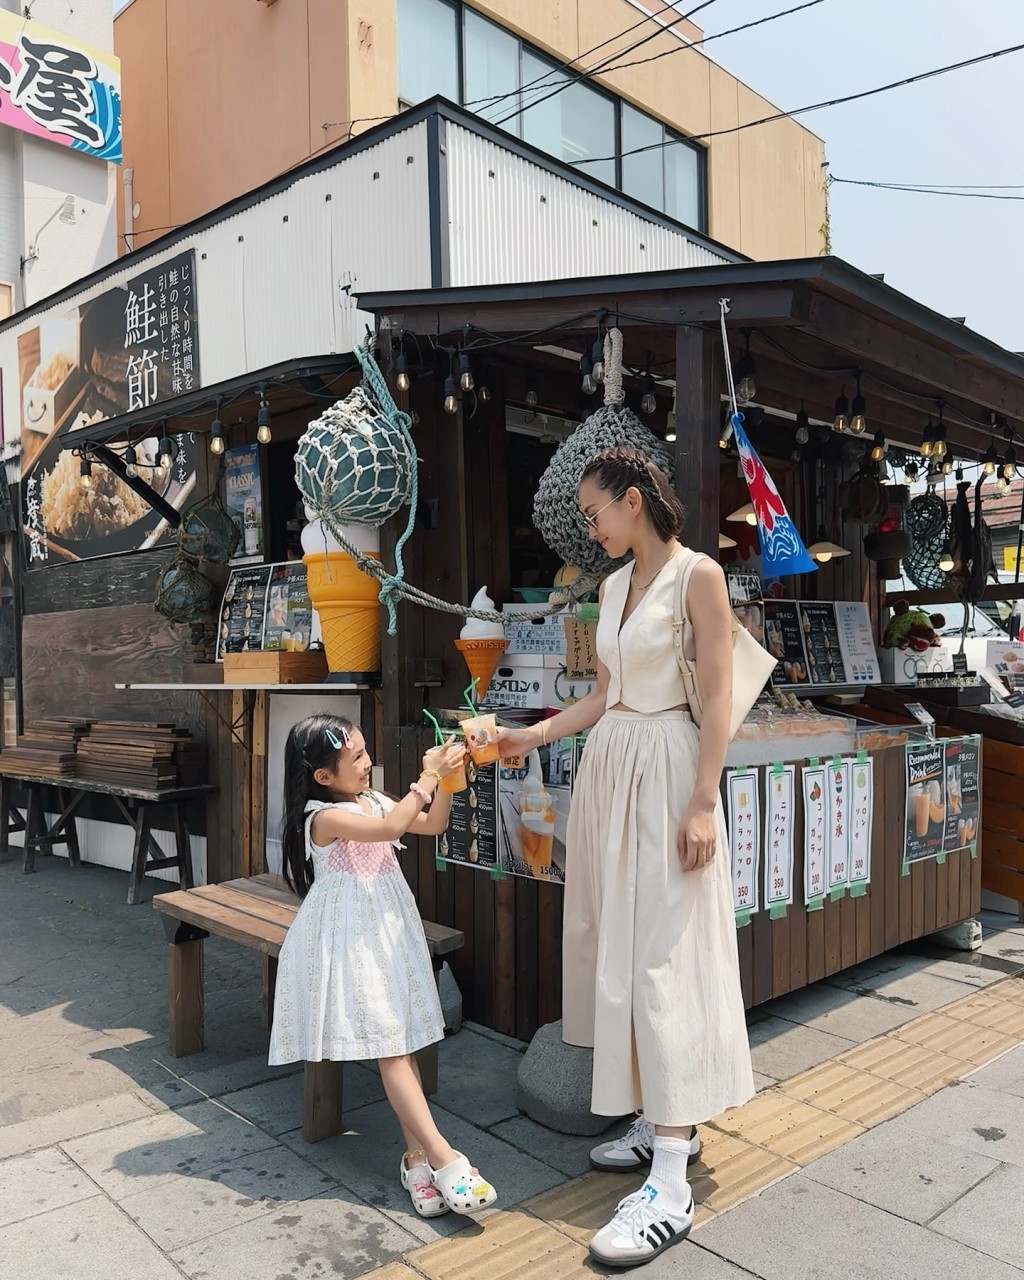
(592, 71)
(814, 106)
(923, 189)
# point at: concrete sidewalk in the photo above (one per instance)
(119, 1161)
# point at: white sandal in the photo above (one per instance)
(463, 1190)
(418, 1181)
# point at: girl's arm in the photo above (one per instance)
(435, 821)
(707, 605)
(340, 824)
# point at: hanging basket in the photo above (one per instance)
(354, 464)
(926, 521)
(207, 533)
(183, 594)
(556, 508)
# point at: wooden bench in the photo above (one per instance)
(135, 804)
(256, 913)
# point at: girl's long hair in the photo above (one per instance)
(308, 748)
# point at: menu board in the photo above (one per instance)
(819, 642)
(856, 642)
(785, 640)
(265, 606)
(289, 609)
(943, 797)
(472, 833)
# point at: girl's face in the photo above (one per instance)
(610, 521)
(351, 772)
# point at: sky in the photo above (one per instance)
(963, 257)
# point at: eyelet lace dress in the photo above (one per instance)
(354, 978)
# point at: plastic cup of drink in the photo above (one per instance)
(482, 739)
(456, 781)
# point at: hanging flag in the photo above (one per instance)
(782, 550)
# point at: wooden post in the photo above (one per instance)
(321, 1100)
(698, 414)
(185, 1004)
(140, 855)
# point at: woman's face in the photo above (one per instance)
(610, 521)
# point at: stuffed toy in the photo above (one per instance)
(912, 628)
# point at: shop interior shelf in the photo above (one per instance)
(240, 688)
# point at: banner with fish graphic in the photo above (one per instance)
(782, 550)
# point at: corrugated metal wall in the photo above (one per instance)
(512, 220)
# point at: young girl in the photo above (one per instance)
(354, 978)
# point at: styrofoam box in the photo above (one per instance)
(901, 666)
(533, 681)
(526, 635)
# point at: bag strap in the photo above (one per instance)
(681, 620)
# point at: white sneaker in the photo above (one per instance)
(640, 1230)
(635, 1149)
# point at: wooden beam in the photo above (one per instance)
(757, 305)
(995, 591)
(698, 407)
(945, 372)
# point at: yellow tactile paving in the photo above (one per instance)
(1004, 1016)
(731, 1170)
(584, 1205)
(393, 1271)
(1012, 989)
(854, 1095)
(965, 1041)
(504, 1245)
(792, 1129)
(925, 1070)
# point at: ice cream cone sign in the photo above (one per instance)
(481, 644)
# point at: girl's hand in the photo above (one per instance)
(517, 742)
(444, 759)
(697, 838)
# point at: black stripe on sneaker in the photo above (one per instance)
(659, 1232)
(643, 1153)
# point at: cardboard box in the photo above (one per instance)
(534, 681)
(274, 667)
(526, 635)
(901, 666)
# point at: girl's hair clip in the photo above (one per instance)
(333, 740)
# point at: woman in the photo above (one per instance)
(651, 975)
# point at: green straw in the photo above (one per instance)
(437, 727)
(467, 693)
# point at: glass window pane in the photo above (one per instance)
(491, 68)
(643, 174)
(573, 125)
(428, 50)
(684, 169)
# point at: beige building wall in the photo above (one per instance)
(219, 98)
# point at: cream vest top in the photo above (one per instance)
(643, 672)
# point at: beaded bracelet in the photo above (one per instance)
(422, 792)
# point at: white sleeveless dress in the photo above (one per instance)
(651, 970)
(354, 979)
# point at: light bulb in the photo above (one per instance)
(85, 472)
(597, 357)
(589, 385)
(879, 448)
(926, 448)
(131, 459)
(746, 390)
(466, 381)
(751, 517)
(484, 395)
(746, 387)
(939, 448)
(858, 412)
(803, 435)
(216, 436)
(858, 424)
(1002, 484)
(989, 467)
(402, 373)
(165, 455)
(1010, 463)
(803, 426)
(946, 559)
(451, 399)
(670, 437)
(822, 557)
(648, 404)
(263, 432)
(841, 411)
(531, 396)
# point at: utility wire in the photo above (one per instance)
(814, 106)
(981, 193)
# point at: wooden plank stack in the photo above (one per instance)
(46, 749)
(151, 756)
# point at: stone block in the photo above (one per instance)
(554, 1084)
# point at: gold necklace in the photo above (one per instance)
(647, 585)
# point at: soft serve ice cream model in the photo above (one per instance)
(536, 821)
(482, 643)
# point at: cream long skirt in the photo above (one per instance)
(651, 973)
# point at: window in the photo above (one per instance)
(491, 61)
(428, 50)
(444, 47)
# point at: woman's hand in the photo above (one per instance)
(444, 759)
(517, 742)
(697, 838)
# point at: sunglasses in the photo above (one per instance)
(591, 521)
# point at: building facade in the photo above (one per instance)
(281, 82)
(59, 144)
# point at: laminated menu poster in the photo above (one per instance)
(778, 865)
(289, 609)
(815, 834)
(744, 839)
(963, 796)
(821, 639)
(856, 642)
(784, 639)
(243, 611)
(512, 818)
(838, 824)
(926, 800)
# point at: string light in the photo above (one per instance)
(485, 395)
(451, 397)
(803, 426)
(858, 410)
(466, 379)
(531, 394)
(939, 438)
(746, 387)
(1010, 463)
(597, 360)
(879, 448)
(927, 440)
(648, 403)
(263, 433)
(165, 453)
(402, 372)
(946, 557)
(217, 435)
(587, 370)
(131, 462)
(841, 411)
(990, 462)
(85, 473)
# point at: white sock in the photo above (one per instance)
(668, 1173)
